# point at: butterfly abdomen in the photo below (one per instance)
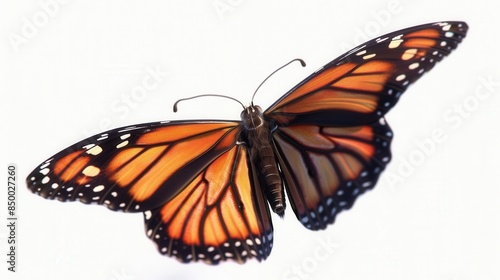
(258, 141)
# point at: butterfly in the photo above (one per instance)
(206, 187)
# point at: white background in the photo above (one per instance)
(65, 78)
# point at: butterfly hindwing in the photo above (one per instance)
(222, 214)
(363, 84)
(325, 167)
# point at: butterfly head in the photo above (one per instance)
(252, 117)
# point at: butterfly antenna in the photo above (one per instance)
(205, 95)
(297, 59)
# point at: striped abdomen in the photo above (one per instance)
(257, 136)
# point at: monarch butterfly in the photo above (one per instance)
(204, 185)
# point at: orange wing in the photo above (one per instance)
(329, 131)
(192, 179)
(360, 86)
(212, 219)
(325, 168)
(133, 169)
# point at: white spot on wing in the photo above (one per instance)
(91, 171)
(366, 57)
(122, 144)
(400, 77)
(94, 150)
(88, 146)
(413, 66)
(125, 136)
(409, 54)
(103, 136)
(361, 53)
(395, 43)
(380, 40)
(98, 188)
(45, 180)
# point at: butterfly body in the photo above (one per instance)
(204, 186)
(257, 135)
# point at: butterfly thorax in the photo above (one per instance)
(257, 137)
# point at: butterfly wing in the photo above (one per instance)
(192, 179)
(133, 169)
(212, 219)
(326, 167)
(363, 84)
(329, 133)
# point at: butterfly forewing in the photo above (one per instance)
(362, 85)
(133, 169)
